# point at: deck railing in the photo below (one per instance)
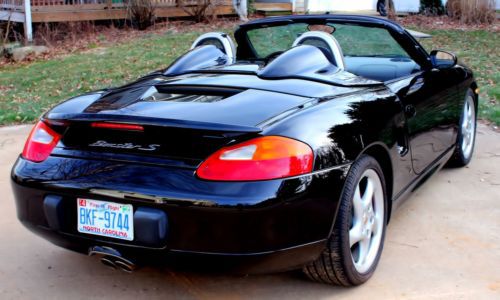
(39, 11)
(13, 5)
(78, 6)
(12, 10)
(91, 3)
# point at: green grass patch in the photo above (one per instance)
(26, 91)
(478, 50)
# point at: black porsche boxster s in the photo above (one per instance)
(290, 150)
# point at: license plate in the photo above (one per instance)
(107, 219)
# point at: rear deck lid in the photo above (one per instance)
(155, 123)
(195, 104)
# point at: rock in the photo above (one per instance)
(39, 50)
(20, 54)
(7, 48)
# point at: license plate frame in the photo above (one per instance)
(105, 218)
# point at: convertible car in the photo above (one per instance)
(289, 148)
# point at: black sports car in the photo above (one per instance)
(288, 151)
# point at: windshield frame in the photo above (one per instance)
(246, 52)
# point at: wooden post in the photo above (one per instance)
(28, 29)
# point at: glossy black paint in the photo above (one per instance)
(218, 218)
(409, 125)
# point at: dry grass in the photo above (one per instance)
(472, 11)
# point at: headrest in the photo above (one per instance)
(323, 40)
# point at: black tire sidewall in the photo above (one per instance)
(343, 223)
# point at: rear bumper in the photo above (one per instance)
(254, 226)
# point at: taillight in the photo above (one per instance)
(41, 141)
(261, 158)
(119, 126)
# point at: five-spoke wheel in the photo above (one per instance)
(468, 126)
(466, 133)
(365, 234)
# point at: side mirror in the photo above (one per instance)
(442, 59)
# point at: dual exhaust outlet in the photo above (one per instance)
(112, 258)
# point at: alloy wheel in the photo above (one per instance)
(365, 234)
(468, 127)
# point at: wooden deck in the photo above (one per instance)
(41, 15)
(273, 9)
(41, 11)
(88, 10)
(12, 10)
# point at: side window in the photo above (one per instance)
(367, 41)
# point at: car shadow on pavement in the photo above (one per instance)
(95, 280)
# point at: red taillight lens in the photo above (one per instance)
(261, 158)
(41, 141)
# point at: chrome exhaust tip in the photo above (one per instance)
(109, 263)
(112, 258)
(125, 266)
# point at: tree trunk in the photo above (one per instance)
(241, 8)
(391, 11)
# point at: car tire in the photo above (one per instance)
(466, 136)
(342, 262)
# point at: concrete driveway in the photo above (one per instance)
(443, 243)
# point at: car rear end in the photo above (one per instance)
(146, 177)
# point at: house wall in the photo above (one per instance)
(410, 6)
(322, 5)
(273, 1)
(342, 5)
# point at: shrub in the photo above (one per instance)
(141, 13)
(9, 31)
(50, 34)
(251, 7)
(472, 11)
(431, 7)
(199, 10)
